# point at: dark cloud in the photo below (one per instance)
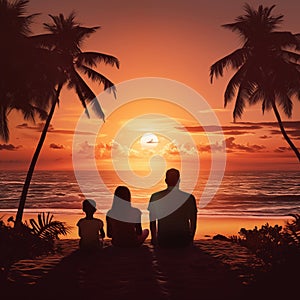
(228, 130)
(295, 133)
(264, 137)
(243, 128)
(286, 124)
(39, 127)
(231, 145)
(9, 147)
(210, 148)
(292, 127)
(282, 149)
(56, 146)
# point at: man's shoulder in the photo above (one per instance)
(185, 194)
(158, 195)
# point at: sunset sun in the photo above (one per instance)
(149, 140)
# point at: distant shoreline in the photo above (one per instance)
(207, 225)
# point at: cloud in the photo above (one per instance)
(9, 147)
(243, 128)
(286, 124)
(292, 127)
(294, 133)
(264, 137)
(227, 130)
(106, 150)
(56, 146)
(174, 150)
(217, 147)
(39, 127)
(282, 149)
(231, 146)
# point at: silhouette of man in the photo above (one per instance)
(171, 227)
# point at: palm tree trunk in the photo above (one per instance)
(35, 158)
(293, 147)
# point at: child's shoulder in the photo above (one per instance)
(98, 220)
(80, 221)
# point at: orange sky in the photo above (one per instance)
(178, 40)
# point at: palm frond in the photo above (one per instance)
(286, 103)
(282, 39)
(46, 228)
(92, 58)
(86, 94)
(47, 40)
(95, 76)
(239, 105)
(233, 84)
(256, 96)
(255, 22)
(290, 56)
(234, 60)
(4, 130)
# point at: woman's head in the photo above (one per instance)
(89, 206)
(123, 193)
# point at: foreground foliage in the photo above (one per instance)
(28, 240)
(275, 245)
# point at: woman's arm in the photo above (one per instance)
(108, 226)
(138, 228)
(102, 232)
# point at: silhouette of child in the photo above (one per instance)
(90, 229)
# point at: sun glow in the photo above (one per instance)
(149, 141)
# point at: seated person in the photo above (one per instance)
(90, 229)
(172, 227)
(124, 221)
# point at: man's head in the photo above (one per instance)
(172, 177)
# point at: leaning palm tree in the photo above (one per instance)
(267, 66)
(64, 41)
(24, 85)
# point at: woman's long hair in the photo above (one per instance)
(122, 198)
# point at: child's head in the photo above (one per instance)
(89, 206)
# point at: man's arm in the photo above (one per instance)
(152, 218)
(193, 216)
(153, 231)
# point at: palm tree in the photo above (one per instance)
(64, 40)
(24, 86)
(267, 66)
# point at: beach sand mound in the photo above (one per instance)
(210, 269)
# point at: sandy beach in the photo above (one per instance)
(211, 268)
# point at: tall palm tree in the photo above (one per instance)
(267, 66)
(24, 86)
(64, 41)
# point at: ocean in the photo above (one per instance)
(241, 194)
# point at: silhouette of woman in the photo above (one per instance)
(127, 233)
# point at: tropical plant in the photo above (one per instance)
(276, 245)
(267, 66)
(64, 41)
(46, 228)
(292, 228)
(24, 86)
(29, 240)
